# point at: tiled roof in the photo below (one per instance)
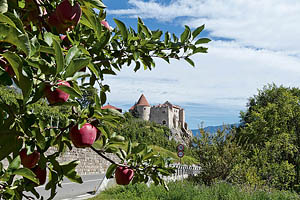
(142, 101)
(111, 107)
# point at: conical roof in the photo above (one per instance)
(142, 101)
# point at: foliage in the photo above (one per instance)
(151, 133)
(189, 190)
(218, 154)
(46, 43)
(264, 150)
(186, 160)
(270, 128)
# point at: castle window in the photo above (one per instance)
(144, 108)
(164, 122)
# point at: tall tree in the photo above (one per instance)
(270, 129)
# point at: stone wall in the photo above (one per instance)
(90, 162)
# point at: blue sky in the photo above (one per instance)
(254, 43)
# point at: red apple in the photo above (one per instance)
(83, 137)
(7, 67)
(56, 24)
(123, 175)
(30, 160)
(9, 70)
(57, 96)
(41, 174)
(68, 14)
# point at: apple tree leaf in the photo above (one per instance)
(186, 34)
(203, 41)
(59, 57)
(26, 173)
(94, 4)
(197, 31)
(12, 35)
(75, 65)
(69, 171)
(122, 28)
(6, 139)
(70, 90)
(111, 169)
(15, 164)
(190, 61)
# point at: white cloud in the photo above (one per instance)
(270, 24)
(227, 75)
(265, 49)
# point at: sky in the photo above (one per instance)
(254, 43)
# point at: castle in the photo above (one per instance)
(167, 114)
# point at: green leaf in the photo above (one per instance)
(70, 90)
(93, 21)
(156, 35)
(118, 138)
(93, 69)
(203, 40)
(76, 65)
(72, 53)
(148, 155)
(3, 6)
(186, 34)
(14, 36)
(15, 164)
(137, 66)
(94, 4)
(111, 169)
(197, 31)
(45, 49)
(7, 138)
(129, 147)
(200, 50)
(35, 46)
(17, 21)
(146, 30)
(136, 55)
(102, 97)
(26, 173)
(163, 171)
(69, 171)
(190, 61)
(59, 56)
(5, 19)
(122, 28)
(167, 38)
(15, 61)
(139, 148)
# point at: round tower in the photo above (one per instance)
(143, 108)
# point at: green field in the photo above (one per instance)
(190, 191)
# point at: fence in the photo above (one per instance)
(182, 172)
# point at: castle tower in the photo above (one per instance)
(141, 108)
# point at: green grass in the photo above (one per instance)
(166, 153)
(190, 191)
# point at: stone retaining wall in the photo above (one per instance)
(90, 162)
